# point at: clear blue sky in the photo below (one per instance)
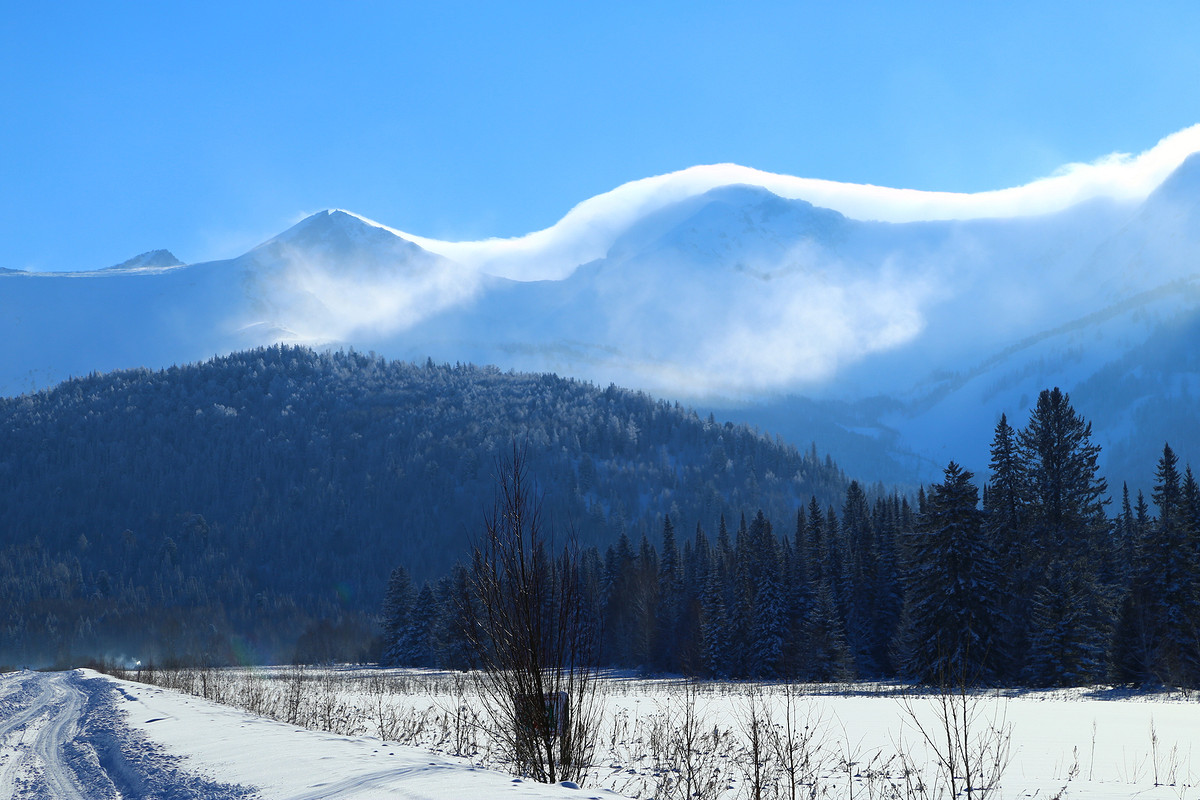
(205, 128)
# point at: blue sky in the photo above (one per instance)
(206, 128)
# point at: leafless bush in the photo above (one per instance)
(534, 636)
(969, 748)
(797, 745)
(686, 751)
(759, 768)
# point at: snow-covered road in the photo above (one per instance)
(62, 737)
(39, 713)
(79, 734)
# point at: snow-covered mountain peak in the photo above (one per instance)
(727, 225)
(335, 276)
(152, 259)
(340, 233)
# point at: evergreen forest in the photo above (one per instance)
(1025, 579)
(250, 509)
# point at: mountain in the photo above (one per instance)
(318, 282)
(896, 327)
(249, 499)
(150, 260)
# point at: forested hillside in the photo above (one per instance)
(1027, 582)
(233, 509)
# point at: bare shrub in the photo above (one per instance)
(969, 747)
(534, 636)
(686, 751)
(797, 745)
(759, 768)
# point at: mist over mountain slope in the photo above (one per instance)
(900, 340)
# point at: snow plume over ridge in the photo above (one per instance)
(589, 229)
(336, 276)
(748, 293)
(797, 331)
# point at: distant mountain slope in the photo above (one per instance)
(901, 341)
(232, 503)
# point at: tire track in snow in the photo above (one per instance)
(32, 738)
(63, 737)
(63, 724)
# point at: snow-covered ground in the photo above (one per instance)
(81, 734)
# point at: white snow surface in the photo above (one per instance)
(204, 750)
(81, 734)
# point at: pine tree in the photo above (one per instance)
(645, 603)
(397, 603)
(715, 617)
(1168, 572)
(417, 644)
(1065, 646)
(1070, 537)
(766, 612)
(1006, 524)
(826, 651)
(1066, 492)
(620, 579)
(1127, 538)
(798, 597)
(696, 559)
(952, 588)
(767, 637)
(861, 581)
(452, 631)
(668, 609)
(828, 656)
(888, 593)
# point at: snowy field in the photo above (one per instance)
(81, 734)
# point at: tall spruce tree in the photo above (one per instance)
(766, 609)
(952, 593)
(861, 573)
(696, 557)
(397, 603)
(418, 645)
(1006, 524)
(718, 639)
(669, 608)
(1070, 621)
(1168, 573)
(826, 652)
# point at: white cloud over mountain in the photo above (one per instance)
(589, 229)
(715, 284)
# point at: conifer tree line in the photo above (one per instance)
(1025, 578)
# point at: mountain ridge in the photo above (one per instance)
(731, 296)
